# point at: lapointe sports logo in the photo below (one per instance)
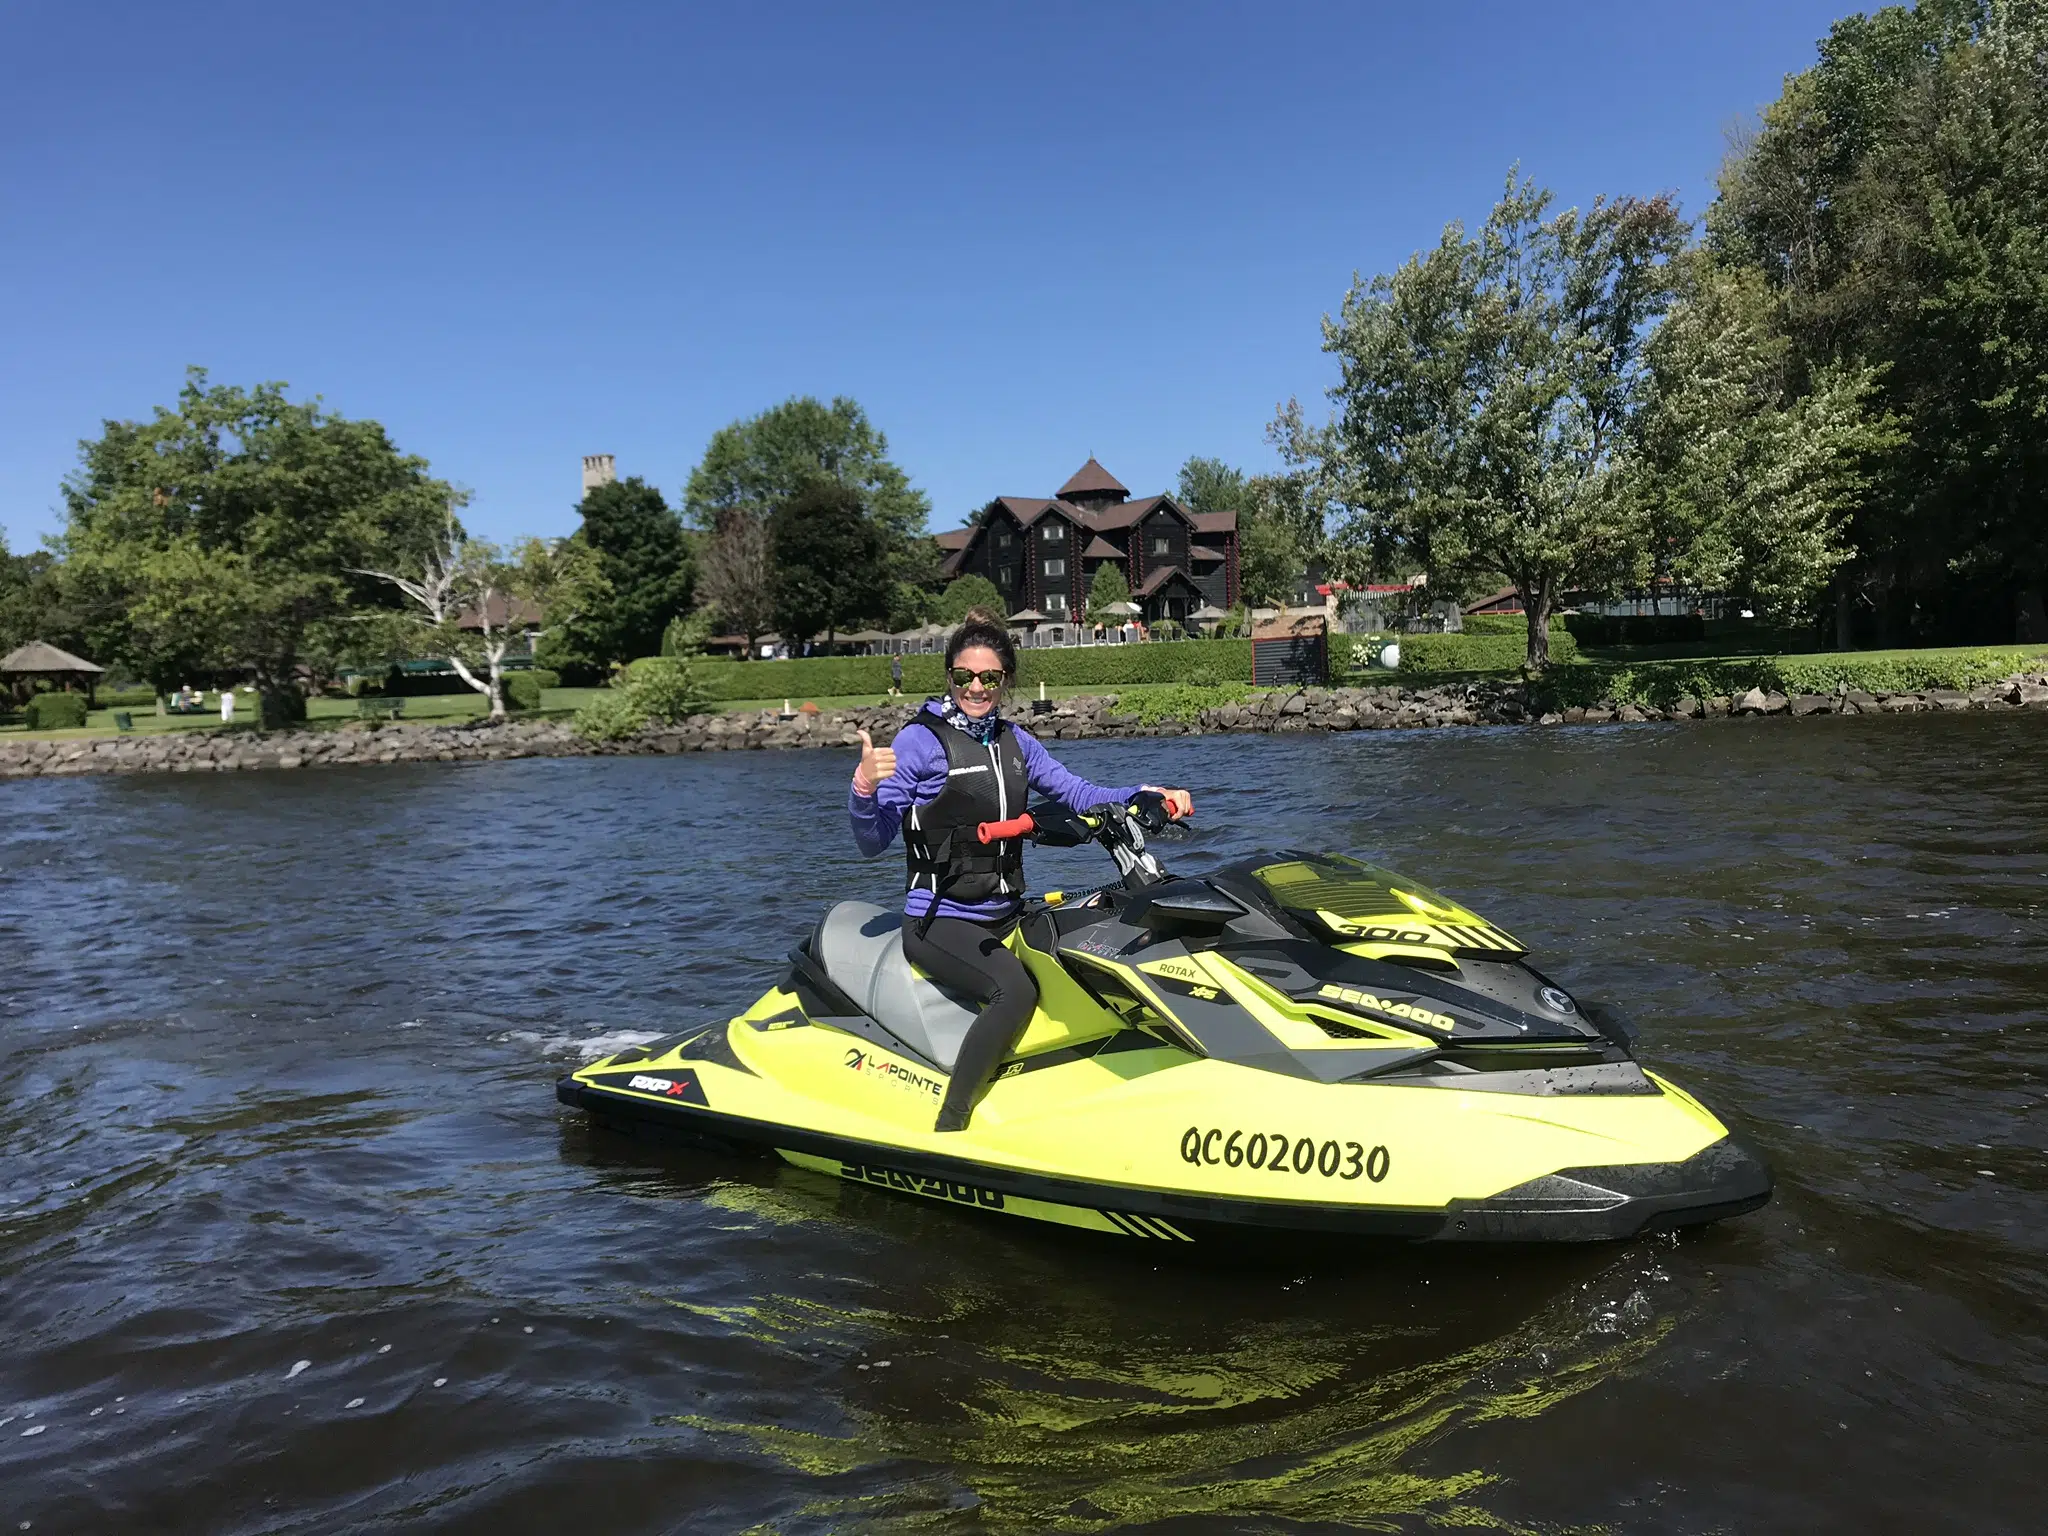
(895, 1072)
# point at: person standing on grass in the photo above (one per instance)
(896, 676)
(227, 705)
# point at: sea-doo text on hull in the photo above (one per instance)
(1299, 1042)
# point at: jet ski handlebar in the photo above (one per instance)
(1016, 826)
(1062, 828)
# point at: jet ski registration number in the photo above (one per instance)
(1281, 1153)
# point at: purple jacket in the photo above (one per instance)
(920, 775)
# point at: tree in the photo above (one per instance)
(221, 535)
(34, 604)
(737, 579)
(767, 460)
(1210, 485)
(964, 593)
(1895, 199)
(1278, 532)
(1486, 395)
(1106, 589)
(1270, 560)
(830, 561)
(1746, 487)
(473, 602)
(644, 556)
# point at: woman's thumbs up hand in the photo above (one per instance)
(876, 764)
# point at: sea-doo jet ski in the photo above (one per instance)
(1296, 1043)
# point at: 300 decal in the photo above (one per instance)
(1280, 1153)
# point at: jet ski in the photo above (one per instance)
(1298, 1043)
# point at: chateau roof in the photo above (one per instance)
(1092, 477)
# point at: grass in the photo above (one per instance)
(321, 713)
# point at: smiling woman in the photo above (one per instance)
(959, 765)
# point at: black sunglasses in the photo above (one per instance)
(991, 679)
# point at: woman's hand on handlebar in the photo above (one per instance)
(1179, 803)
(876, 764)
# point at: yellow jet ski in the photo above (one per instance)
(1299, 1043)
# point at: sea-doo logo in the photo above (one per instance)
(917, 1184)
(1414, 1012)
(917, 1082)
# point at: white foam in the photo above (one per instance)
(589, 1047)
(297, 1366)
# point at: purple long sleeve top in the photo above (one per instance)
(919, 777)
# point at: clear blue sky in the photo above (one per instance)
(1017, 234)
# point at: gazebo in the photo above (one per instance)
(40, 659)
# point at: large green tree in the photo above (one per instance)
(35, 604)
(644, 557)
(1747, 486)
(1278, 529)
(1895, 197)
(830, 561)
(221, 535)
(963, 593)
(753, 466)
(1486, 396)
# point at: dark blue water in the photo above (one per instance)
(279, 1052)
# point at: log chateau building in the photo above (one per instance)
(1042, 554)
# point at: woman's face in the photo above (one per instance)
(976, 700)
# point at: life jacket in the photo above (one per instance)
(983, 783)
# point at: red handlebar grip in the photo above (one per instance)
(1016, 826)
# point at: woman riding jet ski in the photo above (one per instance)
(1295, 1043)
(957, 765)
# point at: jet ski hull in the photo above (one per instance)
(1104, 1142)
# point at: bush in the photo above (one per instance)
(664, 689)
(55, 712)
(1635, 629)
(1185, 701)
(1478, 653)
(1659, 683)
(139, 697)
(544, 677)
(823, 677)
(522, 691)
(608, 717)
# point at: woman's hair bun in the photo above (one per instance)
(980, 627)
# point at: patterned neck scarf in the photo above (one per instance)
(982, 730)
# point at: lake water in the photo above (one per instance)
(294, 1237)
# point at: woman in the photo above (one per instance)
(957, 764)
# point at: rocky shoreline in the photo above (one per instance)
(1081, 718)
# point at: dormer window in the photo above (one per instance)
(1055, 533)
(1161, 544)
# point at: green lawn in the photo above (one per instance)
(431, 707)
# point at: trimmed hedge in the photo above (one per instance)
(1661, 682)
(1636, 629)
(820, 677)
(522, 691)
(55, 712)
(1506, 623)
(140, 697)
(1480, 652)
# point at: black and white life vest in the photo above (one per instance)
(983, 783)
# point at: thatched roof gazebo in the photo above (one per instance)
(41, 659)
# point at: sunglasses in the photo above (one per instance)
(991, 679)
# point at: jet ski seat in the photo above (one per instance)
(860, 945)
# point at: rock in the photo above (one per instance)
(1296, 705)
(1631, 715)
(1686, 707)
(1751, 703)
(1776, 703)
(2033, 695)
(1812, 704)
(1576, 715)
(1948, 698)
(1597, 716)
(1550, 719)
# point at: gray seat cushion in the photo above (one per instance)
(860, 945)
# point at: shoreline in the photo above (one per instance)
(1084, 717)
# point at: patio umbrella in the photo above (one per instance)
(1126, 608)
(1027, 616)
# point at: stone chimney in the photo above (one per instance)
(597, 470)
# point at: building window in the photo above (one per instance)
(1056, 604)
(1005, 577)
(1055, 533)
(1161, 544)
(1003, 539)
(1055, 568)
